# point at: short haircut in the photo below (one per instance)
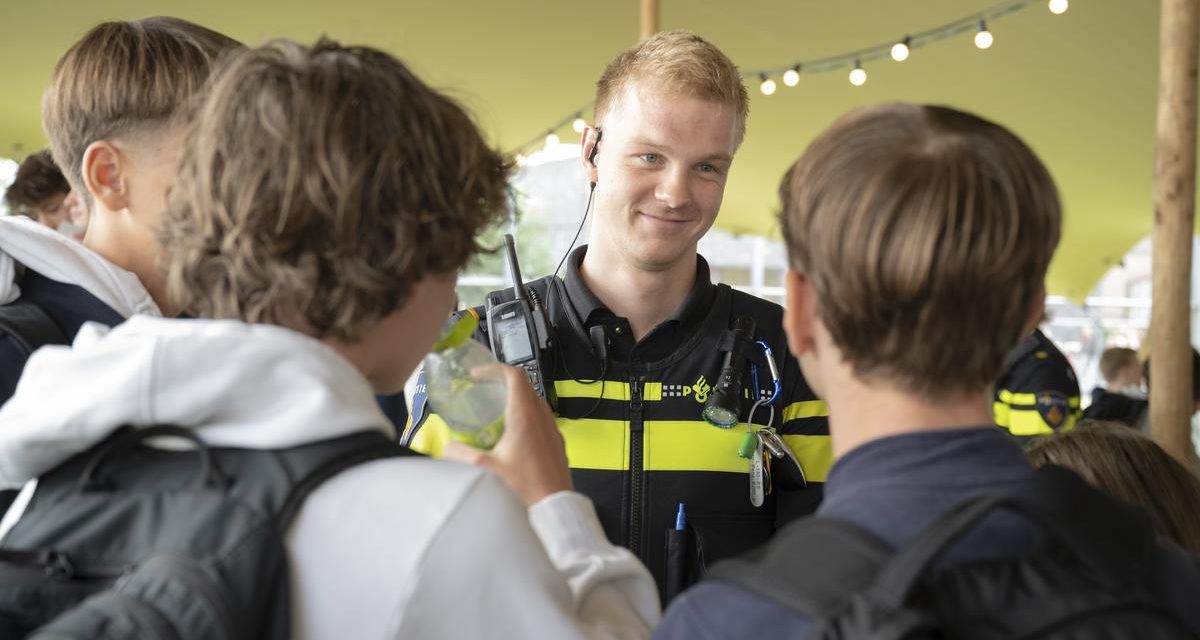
(124, 77)
(926, 233)
(318, 185)
(38, 179)
(676, 63)
(1114, 359)
(1126, 464)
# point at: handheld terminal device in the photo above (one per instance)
(519, 331)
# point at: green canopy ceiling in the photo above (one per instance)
(1079, 87)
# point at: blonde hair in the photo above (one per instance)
(1128, 465)
(318, 185)
(676, 63)
(125, 76)
(926, 233)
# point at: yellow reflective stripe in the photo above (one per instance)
(432, 437)
(575, 389)
(1031, 423)
(651, 391)
(1000, 413)
(596, 444)
(815, 454)
(1009, 397)
(692, 445)
(805, 409)
(1027, 423)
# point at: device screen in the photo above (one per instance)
(515, 345)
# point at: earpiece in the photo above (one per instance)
(595, 148)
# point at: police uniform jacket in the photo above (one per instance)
(1038, 393)
(630, 413)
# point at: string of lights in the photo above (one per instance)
(897, 50)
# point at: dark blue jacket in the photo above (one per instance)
(893, 488)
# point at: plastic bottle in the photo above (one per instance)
(472, 409)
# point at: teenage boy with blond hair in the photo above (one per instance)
(902, 223)
(643, 332)
(115, 113)
(326, 199)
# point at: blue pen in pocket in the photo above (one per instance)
(677, 556)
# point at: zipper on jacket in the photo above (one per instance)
(635, 466)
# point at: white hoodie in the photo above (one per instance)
(61, 259)
(412, 548)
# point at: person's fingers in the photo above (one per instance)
(460, 452)
(494, 372)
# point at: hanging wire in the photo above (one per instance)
(966, 24)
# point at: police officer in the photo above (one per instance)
(643, 333)
(1038, 393)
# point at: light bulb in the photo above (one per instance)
(768, 85)
(900, 51)
(579, 125)
(983, 37)
(791, 77)
(551, 139)
(1059, 7)
(521, 159)
(858, 75)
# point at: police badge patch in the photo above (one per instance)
(1054, 407)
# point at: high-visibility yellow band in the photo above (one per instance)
(815, 454)
(805, 409)
(1000, 413)
(607, 389)
(596, 444)
(651, 391)
(1027, 422)
(692, 445)
(432, 436)
(1030, 399)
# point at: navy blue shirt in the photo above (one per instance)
(894, 487)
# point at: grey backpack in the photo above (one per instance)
(127, 541)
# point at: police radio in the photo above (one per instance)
(519, 331)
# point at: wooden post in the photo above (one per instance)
(1174, 215)
(649, 19)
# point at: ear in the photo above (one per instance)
(590, 140)
(800, 313)
(104, 168)
(1037, 309)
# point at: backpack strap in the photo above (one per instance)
(815, 565)
(318, 462)
(29, 326)
(811, 566)
(1067, 512)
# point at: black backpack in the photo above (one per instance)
(127, 541)
(1090, 578)
(29, 327)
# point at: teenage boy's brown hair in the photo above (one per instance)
(125, 77)
(318, 185)
(38, 180)
(679, 63)
(1114, 359)
(926, 234)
